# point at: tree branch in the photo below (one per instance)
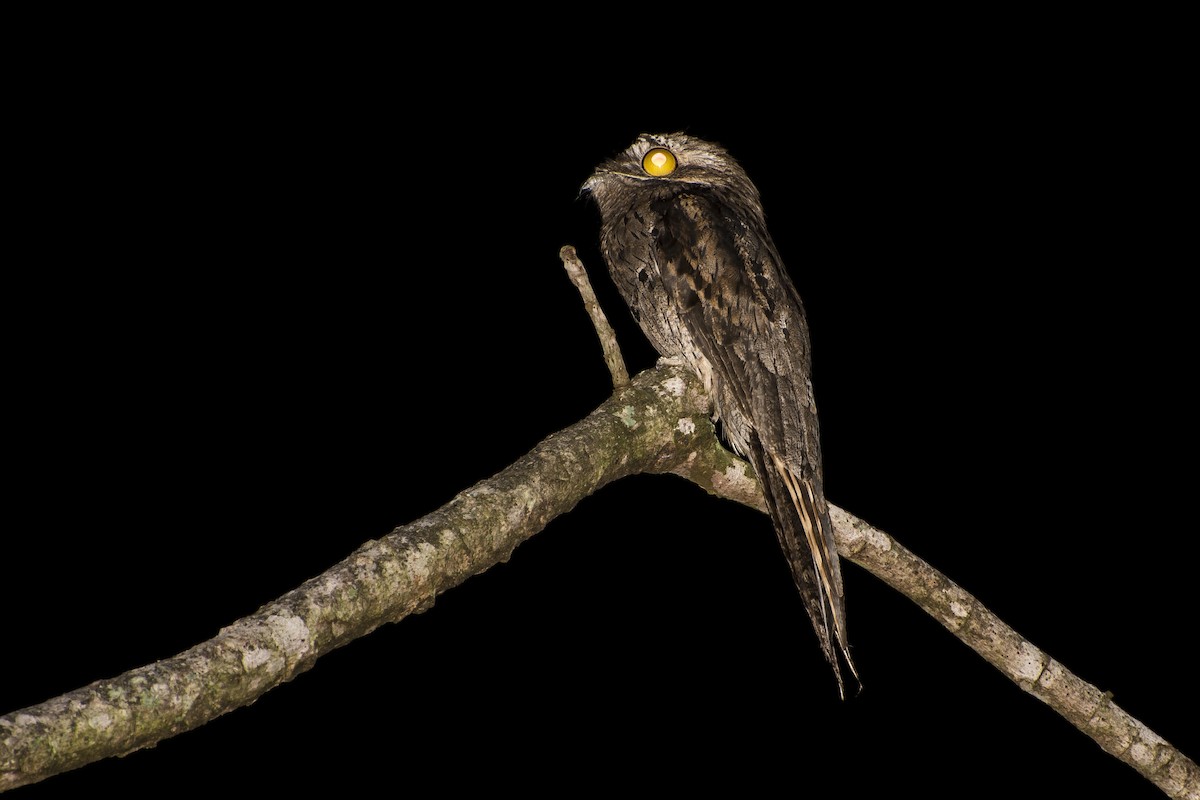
(650, 425)
(658, 423)
(1081, 703)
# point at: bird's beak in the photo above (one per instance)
(589, 185)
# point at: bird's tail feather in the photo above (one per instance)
(805, 532)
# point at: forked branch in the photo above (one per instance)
(657, 423)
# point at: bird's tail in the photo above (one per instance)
(801, 516)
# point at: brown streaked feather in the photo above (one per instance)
(819, 555)
(818, 531)
(797, 550)
(745, 316)
(691, 254)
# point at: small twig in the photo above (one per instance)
(608, 339)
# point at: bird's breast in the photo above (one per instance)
(628, 244)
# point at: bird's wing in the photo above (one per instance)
(745, 316)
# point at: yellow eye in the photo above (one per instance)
(658, 162)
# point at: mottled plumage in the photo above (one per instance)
(686, 242)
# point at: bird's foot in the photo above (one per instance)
(670, 361)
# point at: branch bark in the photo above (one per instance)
(608, 337)
(1081, 703)
(658, 423)
(650, 425)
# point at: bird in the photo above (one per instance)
(684, 236)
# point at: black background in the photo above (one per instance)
(277, 308)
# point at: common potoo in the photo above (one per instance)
(685, 239)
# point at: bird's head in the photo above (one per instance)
(667, 163)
